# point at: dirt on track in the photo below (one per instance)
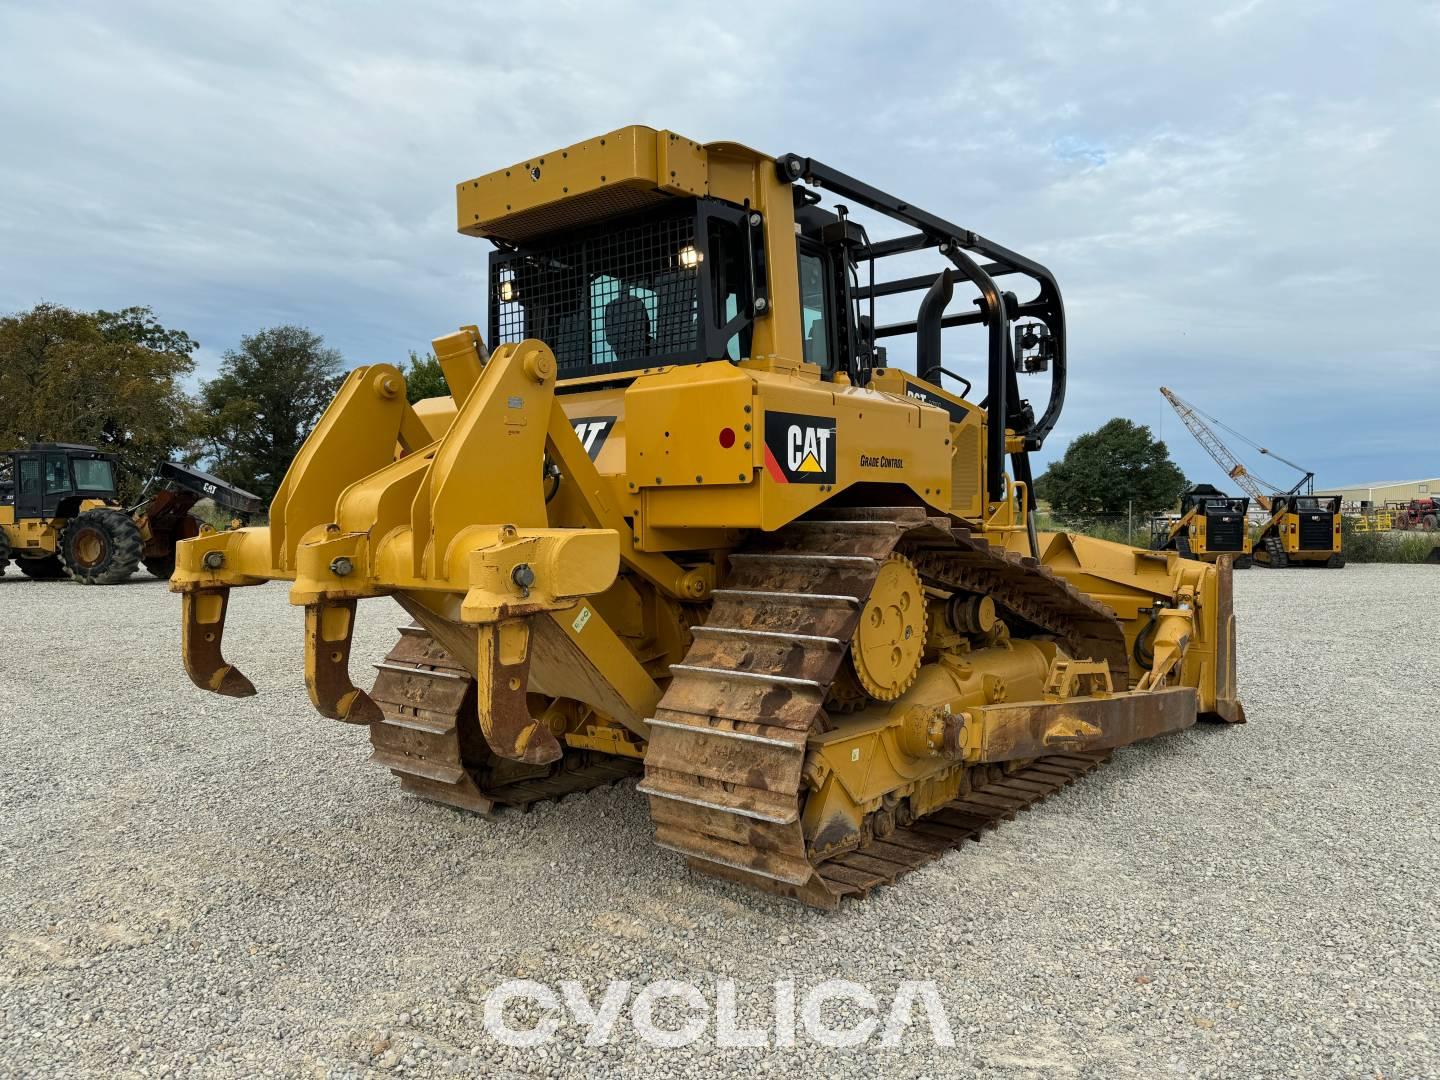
(191, 884)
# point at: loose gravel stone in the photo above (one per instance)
(191, 885)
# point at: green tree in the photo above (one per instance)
(424, 379)
(138, 326)
(109, 379)
(268, 395)
(1111, 470)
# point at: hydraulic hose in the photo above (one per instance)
(1146, 659)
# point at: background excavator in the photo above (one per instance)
(1300, 527)
(679, 518)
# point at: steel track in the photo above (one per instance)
(430, 738)
(724, 768)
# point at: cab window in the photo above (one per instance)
(57, 475)
(93, 474)
(29, 476)
(815, 326)
(729, 284)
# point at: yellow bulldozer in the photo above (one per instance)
(679, 519)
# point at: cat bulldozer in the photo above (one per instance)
(1301, 530)
(679, 520)
(60, 514)
(1211, 524)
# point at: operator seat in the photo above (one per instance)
(627, 328)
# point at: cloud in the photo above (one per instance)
(1236, 200)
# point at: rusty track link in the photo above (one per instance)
(430, 739)
(728, 740)
(882, 862)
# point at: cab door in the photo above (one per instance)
(28, 501)
(817, 307)
(58, 483)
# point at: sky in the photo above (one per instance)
(1238, 198)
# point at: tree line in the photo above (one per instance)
(117, 380)
(1118, 470)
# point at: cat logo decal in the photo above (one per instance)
(592, 431)
(800, 449)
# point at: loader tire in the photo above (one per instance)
(101, 547)
(44, 569)
(4, 552)
(1431, 522)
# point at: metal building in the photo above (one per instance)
(1382, 492)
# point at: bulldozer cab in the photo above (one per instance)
(677, 284)
(640, 251)
(672, 284)
(50, 480)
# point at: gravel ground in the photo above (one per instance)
(195, 885)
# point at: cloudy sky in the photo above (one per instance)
(1239, 197)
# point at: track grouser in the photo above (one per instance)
(679, 519)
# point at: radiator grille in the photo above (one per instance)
(1222, 535)
(1317, 532)
(620, 299)
(965, 472)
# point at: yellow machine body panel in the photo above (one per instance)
(677, 515)
(622, 170)
(39, 534)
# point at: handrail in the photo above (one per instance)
(954, 241)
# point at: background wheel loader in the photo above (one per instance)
(1210, 524)
(685, 522)
(59, 514)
